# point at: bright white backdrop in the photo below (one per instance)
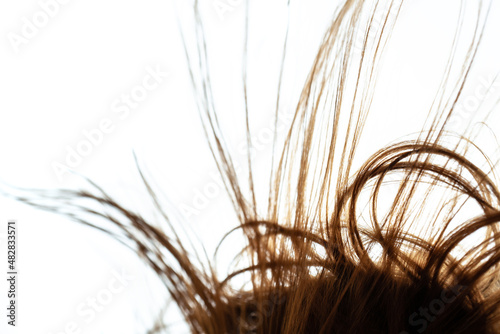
(113, 74)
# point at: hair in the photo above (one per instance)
(323, 256)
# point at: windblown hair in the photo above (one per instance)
(317, 262)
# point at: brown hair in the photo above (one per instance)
(315, 265)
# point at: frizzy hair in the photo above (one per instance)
(314, 265)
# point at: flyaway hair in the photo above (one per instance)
(325, 251)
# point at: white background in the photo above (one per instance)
(65, 79)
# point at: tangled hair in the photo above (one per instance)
(327, 251)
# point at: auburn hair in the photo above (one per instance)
(322, 255)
